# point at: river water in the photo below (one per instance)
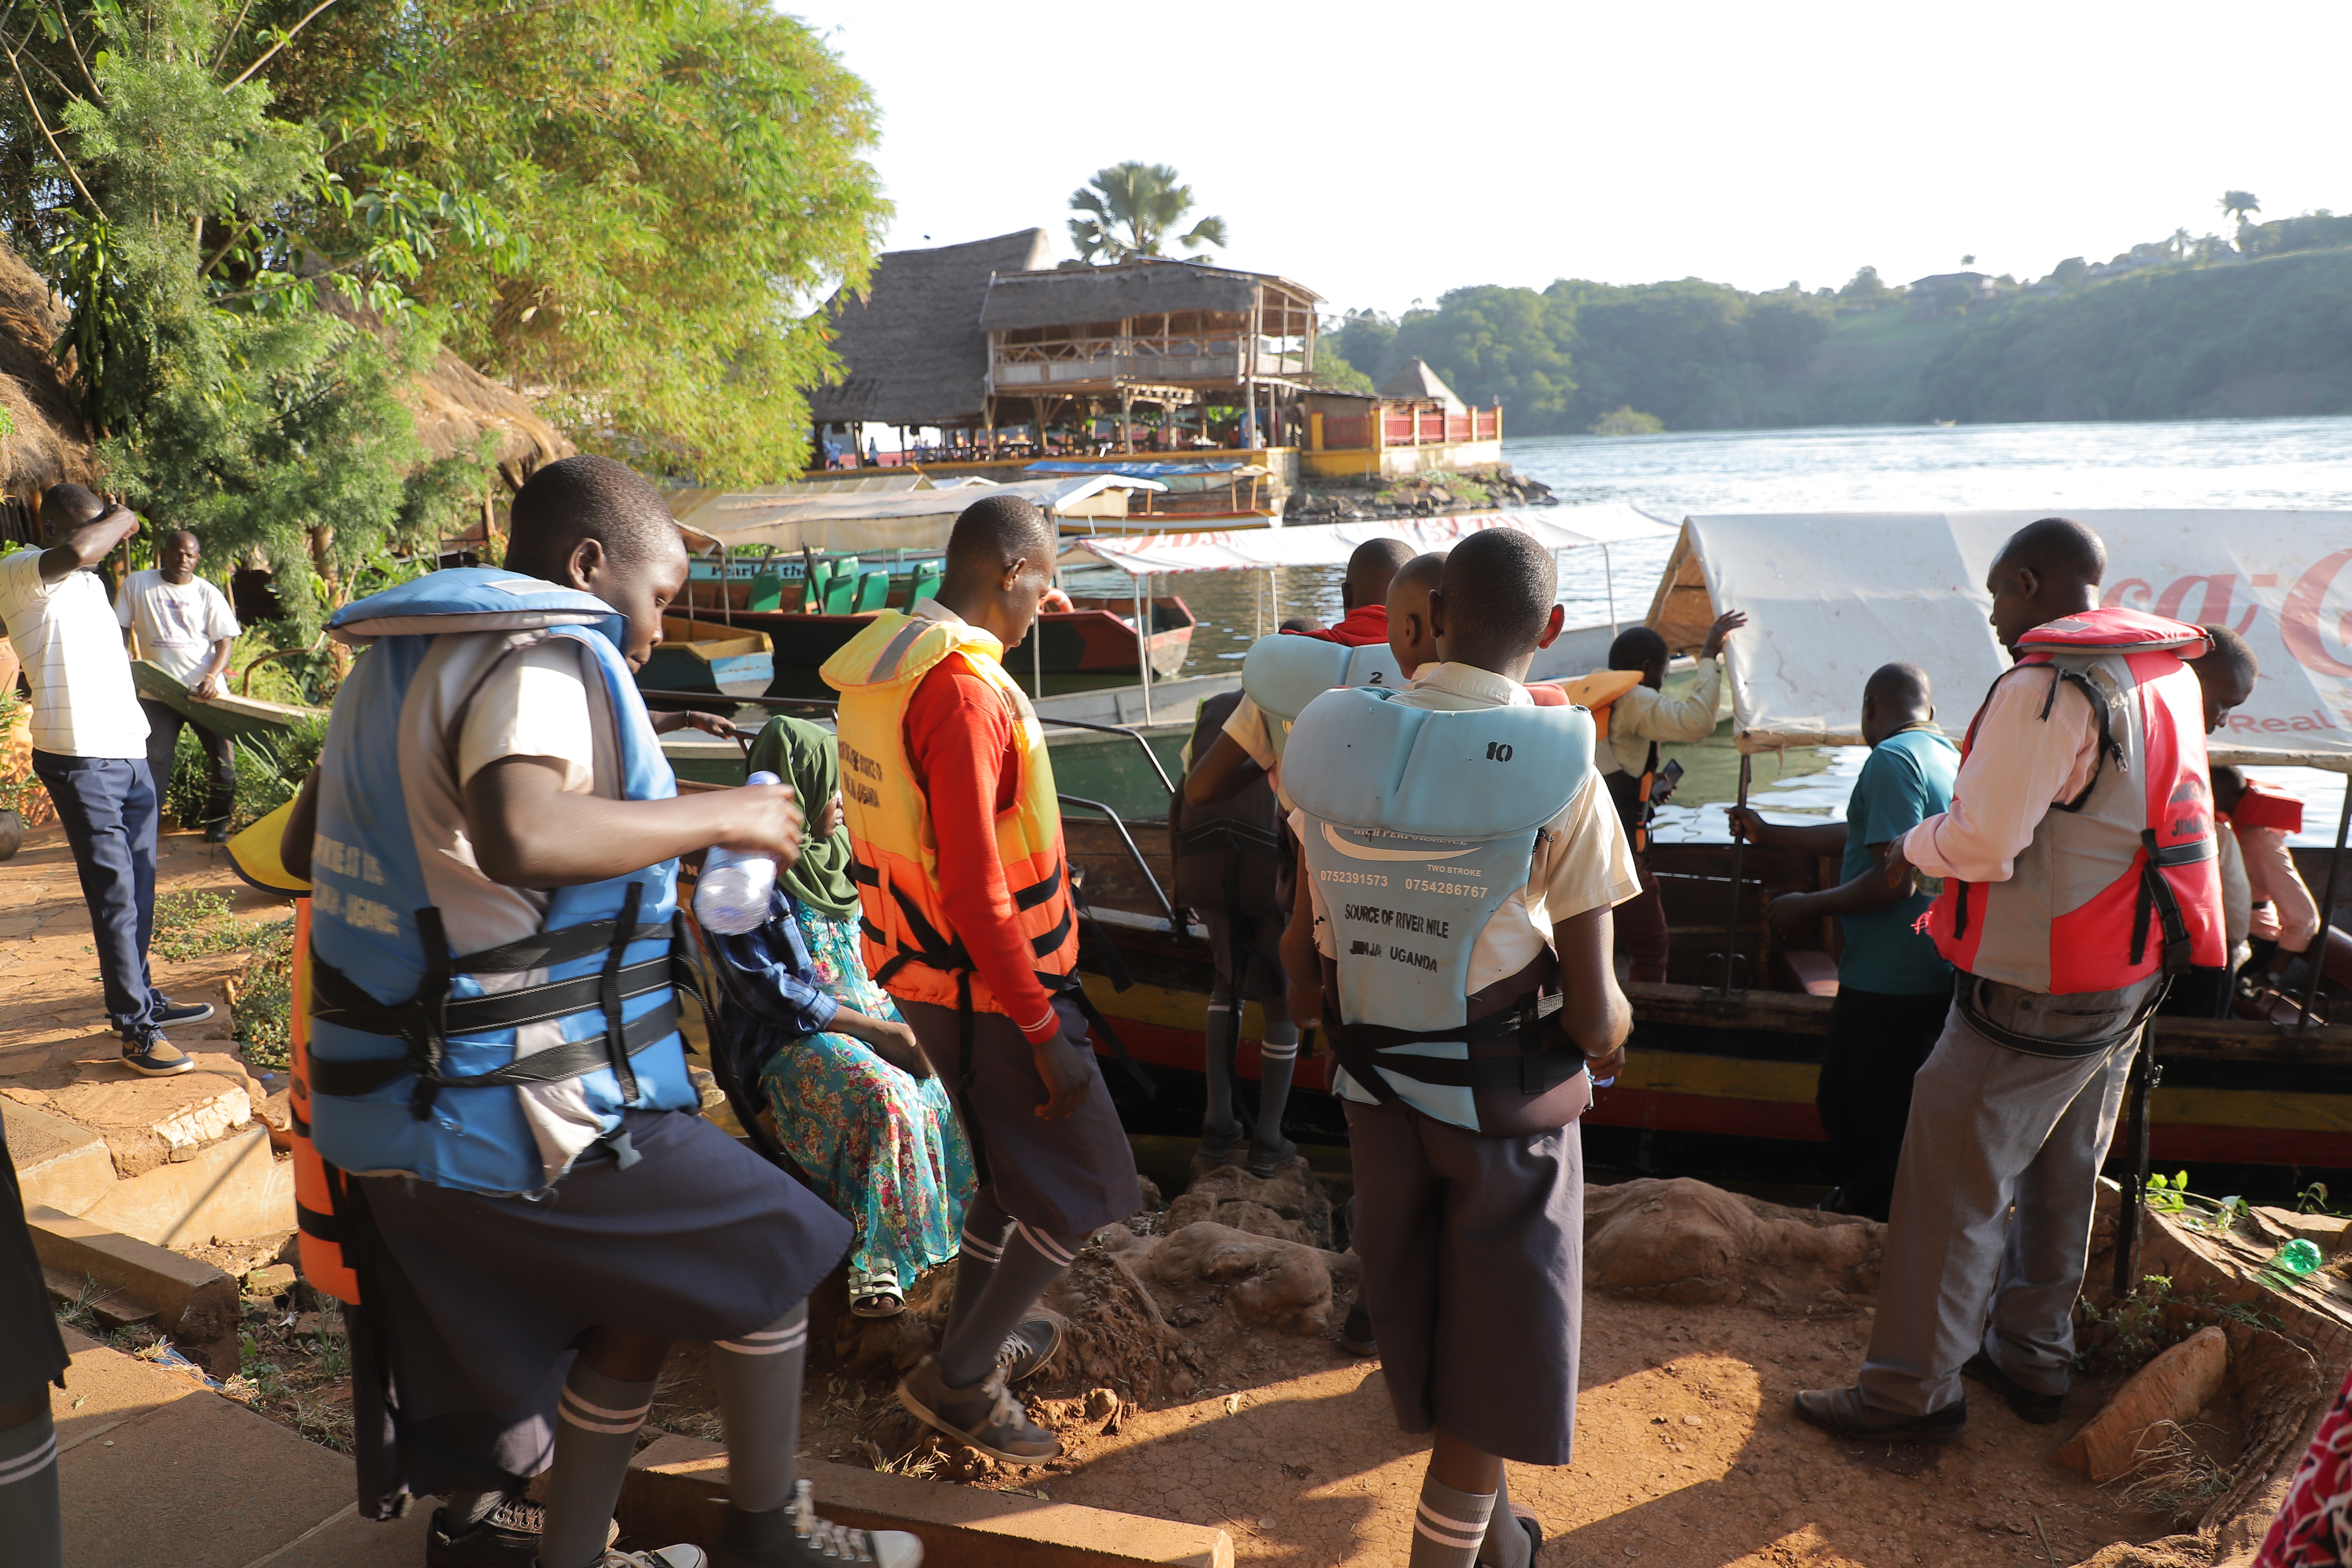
(2254, 463)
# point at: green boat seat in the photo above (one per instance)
(840, 593)
(926, 586)
(873, 592)
(767, 592)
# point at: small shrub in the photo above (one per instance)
(261, 998)
(191, 924)
(1628, 420)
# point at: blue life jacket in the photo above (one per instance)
(1420, 825)
(414, 1063)
(1283, 673)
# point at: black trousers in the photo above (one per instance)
(220, 760)
(1877, 1043)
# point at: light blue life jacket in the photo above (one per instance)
(414, 1067)
(1283, 673)
(1420, 825)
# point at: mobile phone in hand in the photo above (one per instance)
(1664, 784)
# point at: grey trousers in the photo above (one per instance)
(1991, 1224)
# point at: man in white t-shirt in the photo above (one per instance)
(184, 625)
(90, 750)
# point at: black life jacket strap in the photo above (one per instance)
(2157, 899)
(1543, 1063)
(544, 949)
(608, 989)
(571, 1060)
(339, 1000)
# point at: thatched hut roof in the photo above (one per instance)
(912, 349)
(51, 444)
(1418, 382)
(456, 404)
(1140, 285)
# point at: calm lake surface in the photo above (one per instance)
(2283, 463)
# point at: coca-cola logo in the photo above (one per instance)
(2314, 622)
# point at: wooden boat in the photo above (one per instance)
(1726, 1082)
(1090, 644)
(227, 714)
(706, 657)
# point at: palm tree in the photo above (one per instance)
(1131, 209)
(2181, 242)
(2237, 204)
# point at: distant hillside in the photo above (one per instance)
(2265, 336)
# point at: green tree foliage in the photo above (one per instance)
(1496, 345)
(625, 206)
(1333, 372)
(267, 214)
(1132, 209)
(247, 411)
(2237, 204)
(2264, 337)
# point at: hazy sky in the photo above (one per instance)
(1381, 152)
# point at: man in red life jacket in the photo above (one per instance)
(2079, 877)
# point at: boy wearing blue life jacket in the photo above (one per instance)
(535, 1207)
(1459, 863)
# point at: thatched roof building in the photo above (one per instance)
(456, 404)
(912, 349)
(49, 445)
(1417, 383)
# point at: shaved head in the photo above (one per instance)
(2226, 673)
(2229, 783)
(67, 507)
(1902, 684)
(2057, 548)
(1371, 569)
(588, 497)
(1423, 571)
(1637, 647)
(1496, 602)
(995, 532)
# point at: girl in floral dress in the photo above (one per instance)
(849, 1095)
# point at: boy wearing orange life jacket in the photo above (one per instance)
(969, 925)
(2079, 878)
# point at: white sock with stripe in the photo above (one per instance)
(759, 1378)
(596, 1435)
(1448, 1525)
(31, 1522)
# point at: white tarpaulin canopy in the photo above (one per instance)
(789, 517)
(1831, 597)
(1331, 543)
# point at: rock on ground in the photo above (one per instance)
(1685, 1242)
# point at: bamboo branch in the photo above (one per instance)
(75, 46)
(227, 244)
(26, 87)
(230, 36)
(272, 51)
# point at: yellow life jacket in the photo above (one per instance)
(910, 946)
(1599, 693)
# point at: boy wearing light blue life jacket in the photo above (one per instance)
(1460, 860)
(495, 1070)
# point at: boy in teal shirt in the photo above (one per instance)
(1894, 988)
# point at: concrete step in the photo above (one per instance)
(176, 1161)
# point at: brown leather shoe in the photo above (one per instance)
(1842, 1411)
(2041, 1409)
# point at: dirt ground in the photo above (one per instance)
(1687, 1454)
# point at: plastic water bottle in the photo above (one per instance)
(2300, 1256)
(731, 896)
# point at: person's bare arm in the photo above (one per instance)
(301, 828)
(1866, 894)
(1302, 966)
(894, 1043)
(207, 683)
(1818, 839)
(1223, 773)
(89, 544)
(1594, 1014)
(528, 832)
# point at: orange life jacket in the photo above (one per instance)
(320, 1191)
(910, 945)
(1599, 693)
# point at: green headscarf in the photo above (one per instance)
(809, 759)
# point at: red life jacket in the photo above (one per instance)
(2263, 806)
(2122, 881)
(1361, 627)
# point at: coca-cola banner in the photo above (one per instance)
(1831, 597)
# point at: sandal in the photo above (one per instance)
(874, 1296)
